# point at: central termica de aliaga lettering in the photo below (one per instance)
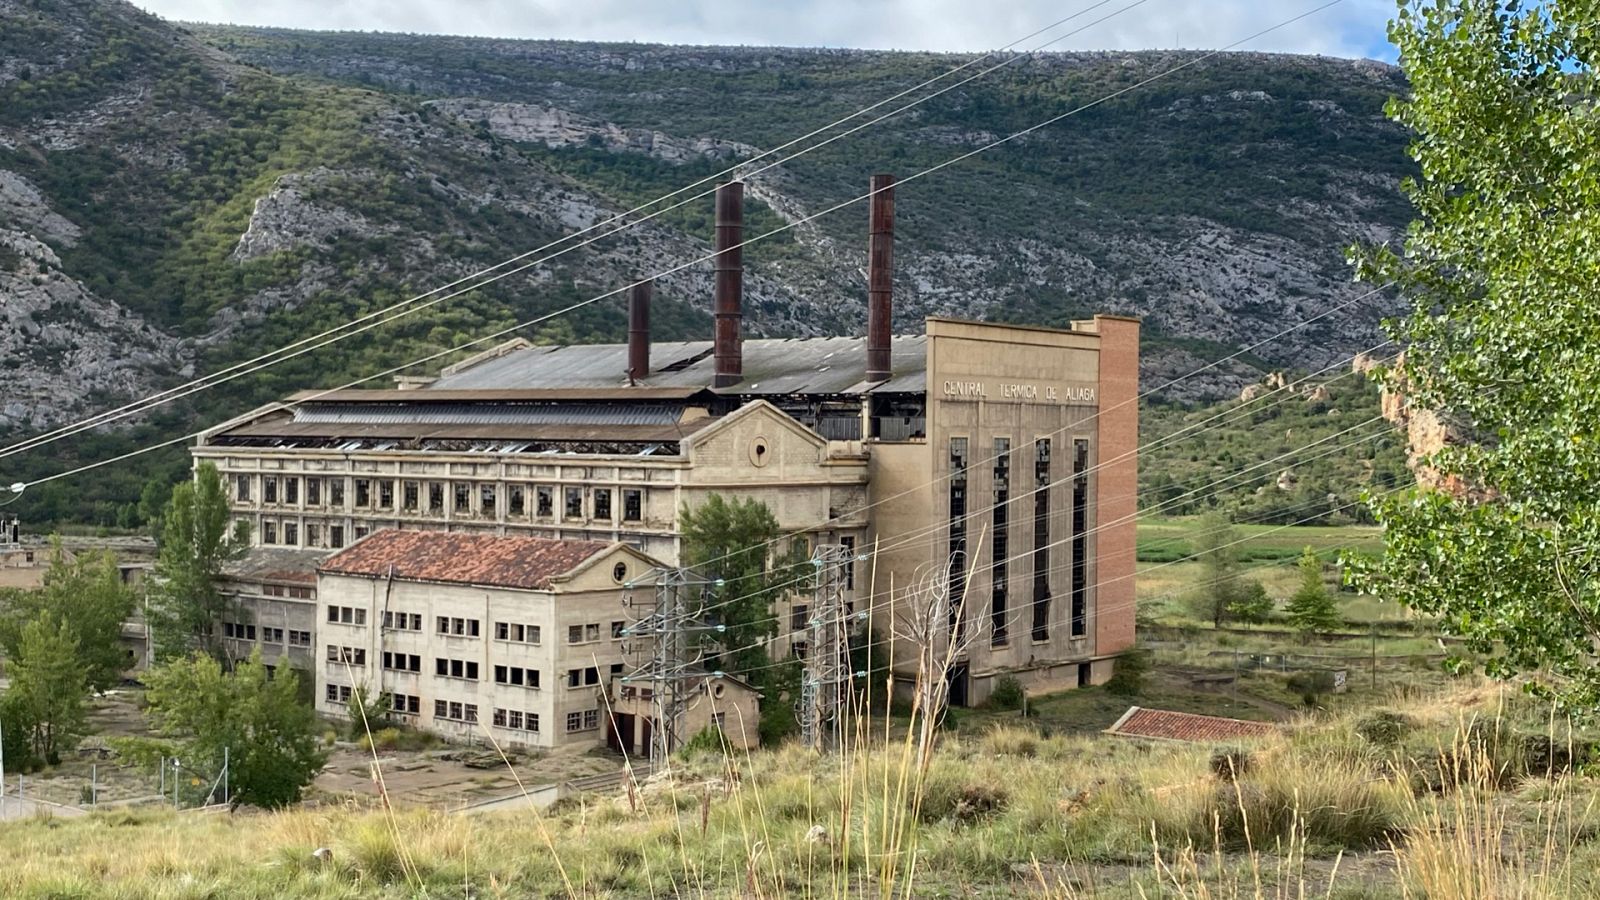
(979, 390)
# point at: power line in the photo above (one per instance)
(783, 228)
(889, 601)
(409, 307)
(1237, 413)
(1029, 552)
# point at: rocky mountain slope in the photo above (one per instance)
(174, 199)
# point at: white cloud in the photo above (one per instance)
(1350, 28)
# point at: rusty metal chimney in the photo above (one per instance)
(729, 268)
(880, 277)
(639, 330)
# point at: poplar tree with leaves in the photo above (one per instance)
(198, 536)
(1502, 273)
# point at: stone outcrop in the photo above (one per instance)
(1427, 432)
(545, 124)
(62, 345)
(284, 219)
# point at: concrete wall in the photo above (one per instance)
(1022, 384)
(594, 611)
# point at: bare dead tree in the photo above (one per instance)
(926, 619)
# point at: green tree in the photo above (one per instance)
(1311, 610)
(1220, 583)
(251, 720)
(85, 592)
(1251, 602)
(368, 711)
(197, 538)
(1502, 272)
(738, 543)
(48, 688)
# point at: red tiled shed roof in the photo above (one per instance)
(1177, 726)
(459, 558)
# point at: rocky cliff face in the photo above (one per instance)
(68, 352)
(165, 206)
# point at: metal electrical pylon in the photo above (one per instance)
(825, 690)
(674, 617)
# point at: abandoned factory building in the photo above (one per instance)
(1001, 457)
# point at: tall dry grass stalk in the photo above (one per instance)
(1473, 841)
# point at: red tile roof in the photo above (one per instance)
(1177, 726)
(455, 557)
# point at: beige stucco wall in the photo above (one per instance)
(591, 598)
(988, 382)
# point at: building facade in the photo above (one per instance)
(272, 601)
(475, 636)
(1001, 459)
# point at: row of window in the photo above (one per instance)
(465, 498)
(456, 668)
(294, 593)
(399, 621)
(516, 719)
(457, 626)
(590, 676)
(352, 656)
(516, 676)
(1000, 546)
(456, 711)
(347, 615)
(402, 662)
(290, 535)
(590, 633)
(269, 634)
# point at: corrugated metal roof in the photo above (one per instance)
(634, 393)
(485, 414)
(407, 431)
(1163, 724)
(461, 558)
(827, 365)
(276, 564)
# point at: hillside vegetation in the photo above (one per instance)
(176, 199)
(1299, 454)
(1468, 793)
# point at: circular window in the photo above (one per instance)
(620, 573)
(760, 451)
(718, 690)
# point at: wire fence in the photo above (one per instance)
(95, 780)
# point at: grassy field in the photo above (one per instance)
(1267, 553)
(1451, 794)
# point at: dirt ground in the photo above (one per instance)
(431, 778)
(420, 778)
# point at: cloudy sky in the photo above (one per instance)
(1352, 28)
